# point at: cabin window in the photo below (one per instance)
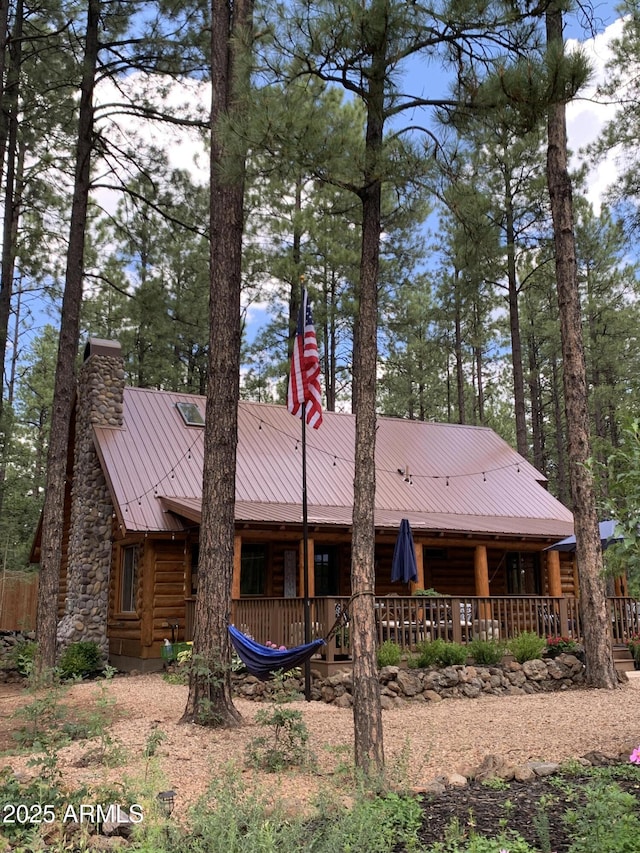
(129, 579)
(326, 571)
(195, 556)
(253, 569)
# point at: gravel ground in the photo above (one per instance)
(421, 740)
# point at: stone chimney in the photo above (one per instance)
(99, 403)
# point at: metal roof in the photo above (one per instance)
(455, 478)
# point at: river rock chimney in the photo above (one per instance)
(99, 402)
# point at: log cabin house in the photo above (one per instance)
(481, 517)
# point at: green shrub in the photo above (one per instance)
(429, 653)
(527, 646)
(607, 821)
(486, 652)
(80, 660)
(389, 654)
(453, 654)
(23, 655)
(439, 653)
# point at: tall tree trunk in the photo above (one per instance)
(4, 41)
(479, 361)
(462, 418)
(9, 137)
(210, 699)
(64, 389)
(367, 713)
(600, 671)
(563, 490)
(535, 394)
(514, 326)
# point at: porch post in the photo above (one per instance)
(481, 575)
(419, 581)
(237, 567)
(553, 574)
(481, 571)
(311, 564)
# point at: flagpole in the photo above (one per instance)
(305, 558)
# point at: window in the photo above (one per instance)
(327, 576)
(129, 579)
(190, 414)
(195, 556)
(253, 569)
(523, 574)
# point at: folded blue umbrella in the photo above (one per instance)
(403, 565)
(263, 661)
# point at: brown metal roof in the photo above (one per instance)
(462, 479)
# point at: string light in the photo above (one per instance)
(154, 489)
(321, 451)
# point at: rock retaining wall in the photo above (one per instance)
(398, 685)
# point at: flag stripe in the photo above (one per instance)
(304, 376)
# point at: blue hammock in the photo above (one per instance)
(262, 661)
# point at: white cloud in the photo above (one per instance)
(586, 117)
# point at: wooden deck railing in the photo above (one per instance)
(409, 620)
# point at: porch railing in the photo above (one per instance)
(411, 620)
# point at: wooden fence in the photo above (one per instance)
(18, 601)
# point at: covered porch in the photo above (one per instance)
(410, 620)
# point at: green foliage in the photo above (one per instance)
(623, 503)
(371, 825)
(286, 743)
(22, 656)
(80, 660)
(607, 822)
(453, 654)
(459, 840)
(439, 653)
(486, 652)
(230, 818)
(389, 654)
(44, 718)
(527, 646)
(35, 791)
(428, 654)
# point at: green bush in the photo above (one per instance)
(606, 822)
(527, 646)
(23, 655)
(80, 660)
(429, 653)
(389, 654)
(439, 653)
(453, 654)
(486, 652)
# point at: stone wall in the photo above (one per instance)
(398, 685)
(100, 403)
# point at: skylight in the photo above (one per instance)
(190, 414)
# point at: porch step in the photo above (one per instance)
(622, 660)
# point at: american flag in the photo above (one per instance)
(304, 378)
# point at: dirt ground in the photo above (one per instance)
(421, 740)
